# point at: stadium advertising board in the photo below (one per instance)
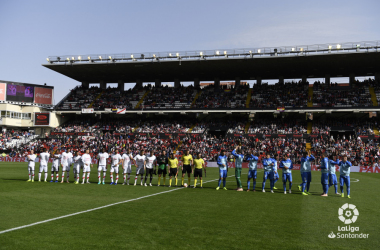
(20, 93)
(43, 95)
(41, 119)
(3, 90)
(88, 111)
(72, 133)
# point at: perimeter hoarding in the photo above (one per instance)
(41, 119)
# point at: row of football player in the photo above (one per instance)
(327, 167)
(144, 164)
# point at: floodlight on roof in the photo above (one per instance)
(225, 52)
(47, 59)
(201, 53)
(177, 54)
(100, 57)
(217, 52)
(330, 47)
(73, 58)
(293, 49)
(68, 59)
(301, 49)
(338, 46)
(259, 51)
(79, 58)
(89, 58)
(110, 57)
(357, 45)
(170, 54)
(132, 56)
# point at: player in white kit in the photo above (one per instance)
(44, 159)
(115, 162)
(55, 167)
(150, 162)
(65, 164)
(126, 161)
(31, 163)
(140, 160)
(102, 165)
(77, 159)
(86, 159)
(70, 162)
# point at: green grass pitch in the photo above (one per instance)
(181, 219)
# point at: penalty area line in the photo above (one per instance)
(94, 209)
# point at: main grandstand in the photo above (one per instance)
(290, 115)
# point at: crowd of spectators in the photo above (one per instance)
(222, 97)
(169, 97)
(6, 136)
(209, 146)
(288, 95)
(359, 126)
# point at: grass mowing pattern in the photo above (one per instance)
(183, 219)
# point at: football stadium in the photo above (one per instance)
(195, 150)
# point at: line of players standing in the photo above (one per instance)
(270, 165)
(144, 164)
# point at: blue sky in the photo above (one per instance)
(32, 30)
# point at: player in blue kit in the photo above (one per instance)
(332, 176)
(268, 166)
(222, 163)
(239, 157)
(273, 175)
(306, 172)
(287, 166)
(324, 174)
(344, 178)
(252, 171)
(276, 175)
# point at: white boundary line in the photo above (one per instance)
(97, 208)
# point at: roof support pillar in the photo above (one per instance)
(258, 81)
(85, 85)
(139, 84)
(120, 85)
(327, 79)
(304, 78)
(196, 83)
(281, 80)
(157, 83)
(237, 82)
(216, 82)
(352, 79)
(177, 83)
(103, 84)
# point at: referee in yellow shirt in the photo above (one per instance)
(199, 164)
(173, 169)
(187, 162)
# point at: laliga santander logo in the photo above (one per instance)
(46, 95)
(348, 213)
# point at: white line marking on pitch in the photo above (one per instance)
(93, 209)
